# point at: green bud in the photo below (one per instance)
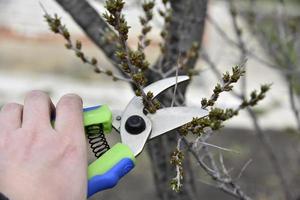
(78, 45)
(94, 61)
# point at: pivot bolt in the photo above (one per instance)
(135, 125)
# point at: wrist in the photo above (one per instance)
(19, 185)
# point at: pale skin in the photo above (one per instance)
(38, 161)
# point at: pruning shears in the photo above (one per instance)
(135, 127)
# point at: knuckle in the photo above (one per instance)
(69, 148)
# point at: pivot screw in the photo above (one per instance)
(135, 125)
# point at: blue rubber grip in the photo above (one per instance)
(90, 108)
(110, 178)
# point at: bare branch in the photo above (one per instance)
(224, 183)
(217, 147)
(244, 168)
(249, 52)
(268, 147)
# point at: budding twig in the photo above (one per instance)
(266, 143)
(57, 27)
(133, 62)
(146, 28)
(177, 160)
(228, 80)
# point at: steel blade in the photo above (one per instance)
(136, 142)
(159, 86)
(167, 119)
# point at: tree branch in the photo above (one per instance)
(186, 27)
(264, 139)
(93, 25)
(220, 175)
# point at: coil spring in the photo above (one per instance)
(97, 140)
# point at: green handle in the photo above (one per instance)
(110, 159)
(107, 170)
(98, 115)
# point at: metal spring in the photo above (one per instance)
(97, 139)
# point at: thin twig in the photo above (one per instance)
(176, 84)
(226, 184)
(268, 147)
(218, 147)
(249, 52)
(244, 168)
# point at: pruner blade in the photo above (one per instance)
(167, 119)
(136, 126)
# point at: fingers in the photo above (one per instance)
(11, 116)
(69, 117)
(37, 110)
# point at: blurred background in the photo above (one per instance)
(32, 57)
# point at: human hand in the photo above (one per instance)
(38, 161)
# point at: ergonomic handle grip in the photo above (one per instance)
(111, 178)
(106, 171)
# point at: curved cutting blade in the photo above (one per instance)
(159, 86)
(136, 142)
(167, 119)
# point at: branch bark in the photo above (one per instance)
(186, 27)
